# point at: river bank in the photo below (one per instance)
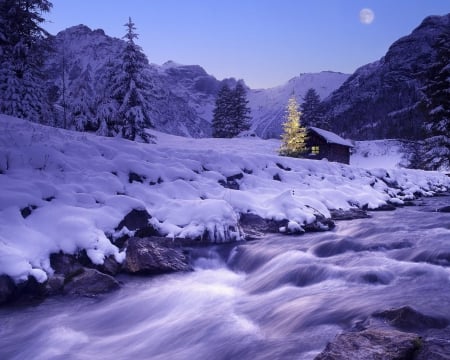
(278, 297)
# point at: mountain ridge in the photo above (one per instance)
(382, 99)
(184, 94)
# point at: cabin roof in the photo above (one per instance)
(331, 137)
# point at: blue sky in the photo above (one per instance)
(264, 42)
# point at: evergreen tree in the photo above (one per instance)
(231, 113)
(311, 110)
(22, 82)
(436, 103)
(221, 123)
(294, 134)
(80, 103)
(241, 111)
(106, 106)
(131, 88)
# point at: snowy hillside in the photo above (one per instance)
(269, 105)
(68, 191)
(387, 154)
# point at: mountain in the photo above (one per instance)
(382, 99)
(79, 50)
(184, 95)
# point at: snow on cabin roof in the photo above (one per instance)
(331, 137)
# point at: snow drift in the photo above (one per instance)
(68, 191)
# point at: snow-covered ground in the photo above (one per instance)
(386, 154)
(77, 187)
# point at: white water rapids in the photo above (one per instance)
(277, 298)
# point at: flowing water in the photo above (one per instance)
(278, 298)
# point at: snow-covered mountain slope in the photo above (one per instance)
(387, 154)
(79, 50)
(381, 100)
(269, 105)
(68, 191)
(184, 94)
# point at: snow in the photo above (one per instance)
(331, 138)
(77, 187)
(386, 154)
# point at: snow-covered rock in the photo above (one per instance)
(64, 191)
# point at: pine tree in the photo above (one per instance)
(221, 123)
(294, 134)
(241, 110)
(80, 103)
(231, 113)
(22, 82)
(106, 106)
(131, 88)
(311, 110)
(436, 104)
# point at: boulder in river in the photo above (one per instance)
(376, 344)
(351, 214)
(409, 319)
(90, 282)
(151, 256)
(65, 264)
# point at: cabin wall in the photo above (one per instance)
(332, 152)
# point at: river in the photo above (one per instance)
(281, 297)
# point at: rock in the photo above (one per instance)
(30, 290)
(231, 182)
(384, 207)
(148, 256)
(282, 167)
(407, 318)
(339, 214)
(138, 220)
(7, 289)
(54, 285)
(135, 219)
(445, 209)
(320, 224)
(64, 264)
(110, 266)
(90, 282)
(373, 344)
(255, 226)
(276, 177)
(436, 346)
(26, 211)
(132, 176)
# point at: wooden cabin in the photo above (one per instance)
(323, 144)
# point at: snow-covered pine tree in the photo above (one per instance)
(311, 111)
(222, 123)
(22, 82)
(80, 103)
(231, 113)
(240, 110)
(293, 139)
(106, 106)
(436, 155)
(131, 87)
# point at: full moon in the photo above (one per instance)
(366, 16)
